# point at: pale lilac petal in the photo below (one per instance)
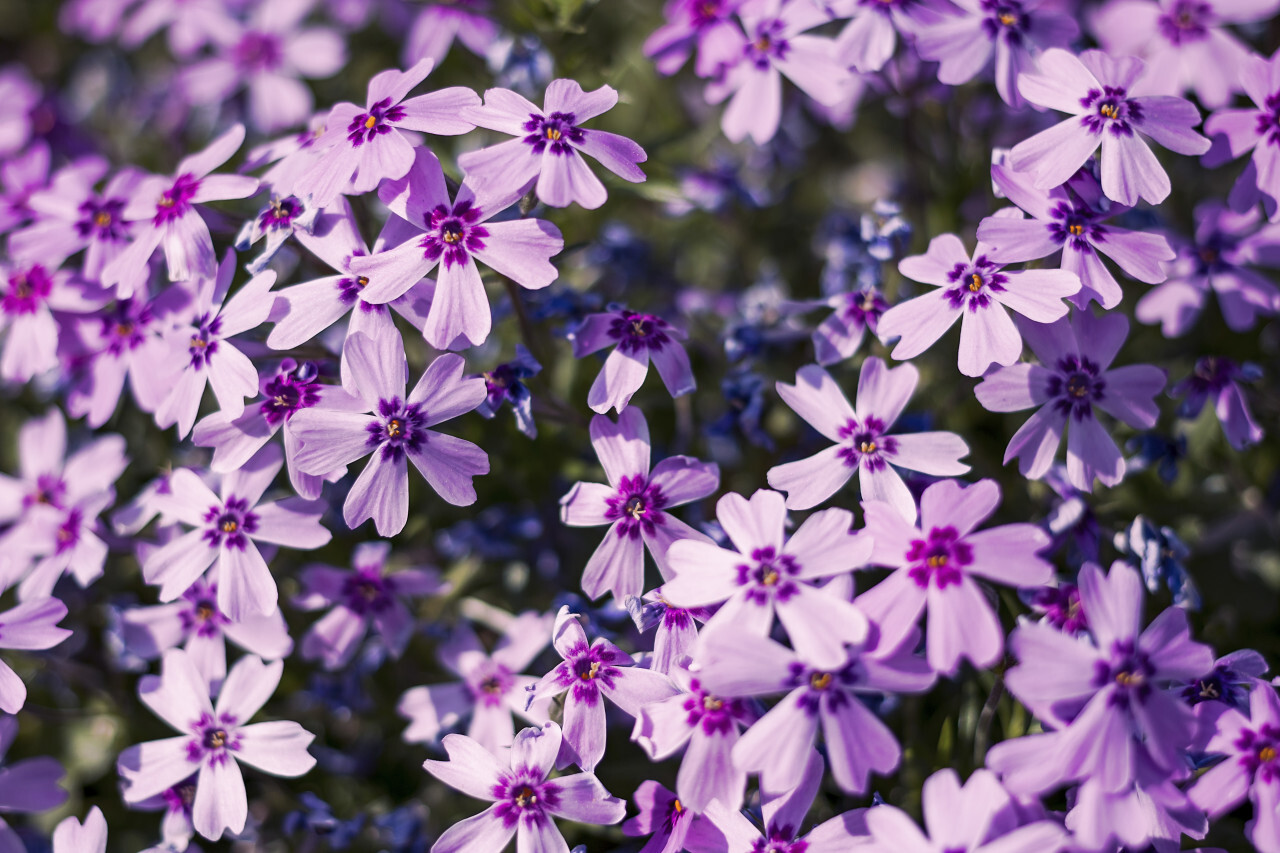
(1009, 554)
(961, 624)
(179, 696)
(819, 624)
(584, 799)
(755, 523)
(177, 565)
(449, 464)
(616, 566)
(520, 249)
(1038, 294)
(381, 492)
(934, 453)
(312, 308)
(1013, 388)
(245, 584)
(1131, 171)
(278, 748)
(471, 768)
(622, 375)
(708, 773)
(779, 744)
(460, 315)
(1054, 155)
(616, 153)
(378, 371)
(440, 112)
(674, 369)
(485, 831)
(1092, 452)
(986, 337)
(33, 625)
(1063, 80)
(817, 399)
(149, 768)
(883, 392)
(858, 744)
(1130, 394)
(958, 505)
(220, 802)
(918, 322)
(330, 440)
(894, 605)
(636, 688)
(1016, 240)
(809, 482)
(1036, 442)
(566, 178)
(584, 726)
(705, 574)
(935, 265)
(13, 693)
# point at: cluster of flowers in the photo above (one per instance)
(111, 274)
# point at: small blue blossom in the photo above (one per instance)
(1158, 553)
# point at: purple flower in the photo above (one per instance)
(734, 663)
(524, 799)
(840, 334)
(662, 817)
(209, 354)
(1072, 379)
(280, 219)
(71, 215)
(775, 46)
(213, 740)
(29, 294)
(123, 342)
(863, 445)
(1226, 246)
(1217, 379)
(458, 233)
(638, 337)
(267, 54)
(163, 213)
(1250, 768)
(1113, 719)
(587, 674)
(71, 836)
(1184, 42)
(771, 573)
(189, 24)
(199, 625)
(936, 565)
(704, 27)
(19, 96)
(439, 24)
(550, 146)
(784, 812)
(226, 527)
(871, 36)
(1060, 607)
(291, 389)
(979, 291)
(1236, 131)
(633, 504)
(1095, 88)
(364, 145)
(707, 726)
(22, 177)
(1015, 31)
(367, 595)
(505, 384)
(1070, 219)
(491, 690)
(30, 625)
(978, 816)
(394, 429)
(30, 785)
(307, 309)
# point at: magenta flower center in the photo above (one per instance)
(452, 234)
(28, 290)
(637, 504)
(780, 841)
(971, 284)
(769, 575)
(1004, 19)
(768, 44)
(1260, 749)
(257, 52)
(1076, 386)
(714, 714)
(204, 342)
(230, 524)
(863, 307)
(1129, 670)
(367, 591)
(287, 393)
(866, 445)
(522, 796)
(367, 127)
(50, 490)
(280, 214)
(1269, 120)
(585, 669)
(68, 532)
(939, 559)
(553, 133)
(397, 428)
(490, 684)
(102, 221)
(1075, 226)
(1187, 21)
(175, 202)
(123, 327)
(637, 332)
(1110, 109)
(214, 739)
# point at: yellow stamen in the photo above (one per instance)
(102, 219)
(1108, 110)
(1267, 753)
(1076, 230)
(229, 526)
(394, 427)
(370, 122)
(1008, 19)
(975, 283)
(553, 134)
(712, 703)
(592, 672)
(820, 680)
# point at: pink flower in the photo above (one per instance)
(226, 527)
(213, 740)
(638, 337)
(72, 837)
(550, 145)
(163, 212)
(367, 143)
(458, 233)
